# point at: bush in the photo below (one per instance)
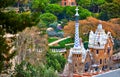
(25, 69)
(48, 18)
(55, 60)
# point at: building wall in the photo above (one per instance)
(78, 66)
(68, 2)
(102, 57)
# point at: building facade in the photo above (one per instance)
(101, 48)
(99, 55)
(68, 2)
(78, 53)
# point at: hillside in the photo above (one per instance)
(91, 23)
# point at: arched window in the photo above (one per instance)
(100, 61)
(97, 51)
(108, 50)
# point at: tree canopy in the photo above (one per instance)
(48, 18)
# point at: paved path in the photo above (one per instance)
(57, 41)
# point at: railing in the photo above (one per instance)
(58, 50)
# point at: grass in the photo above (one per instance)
(52, 39)
(69, 40)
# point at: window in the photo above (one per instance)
(64, 3)
(72, 3)
(108, 50)
(100, 61)
(97, 51)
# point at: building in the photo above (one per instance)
(101, 48)
(77, 54)
(68, 2)
(95, 59)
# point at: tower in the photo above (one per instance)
(77, 54)
(68, 2)
(77, 39)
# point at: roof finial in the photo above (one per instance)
(100, 25)
(77, 11)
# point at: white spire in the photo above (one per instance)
(78, 45)
(77, 39)
(76, 11)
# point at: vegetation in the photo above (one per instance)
(48, 18)
(5, 54)
(51, 39)
(55, 60)
(67, 41)
(25, 69)
(44, 14)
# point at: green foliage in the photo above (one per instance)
(84, 3)
(55, 60)
(84, 13)
(51, 39)
(86, 44)
(69, 40)
(110, 10)
(69, 12)
(92, 5)
(98, 2)
(25, 69)
(39, 5)
(14, 22)
(109, 1)
(57, 47)
(48, 18)
(54, 9)
(54, 1)
(5, 3)
(4, 52)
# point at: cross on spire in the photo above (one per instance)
(76, 11)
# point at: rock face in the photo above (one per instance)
(31, 45)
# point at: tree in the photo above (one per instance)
(14, 22)
(48, 18)
(69, 12)
(107, 11)
(5, 3)
(84, 3)
(54, 1)
(55, 60)
(95, 5)
(84, 13)
(5, 54)
(92, 5)
(54, 9)
(39, 5)
(25, 69)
